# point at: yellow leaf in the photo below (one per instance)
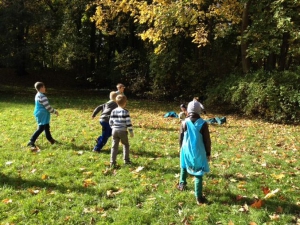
(88, 173)
(44, 176)
(278, 176)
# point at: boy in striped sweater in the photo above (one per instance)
(120, 122)
(42, 112)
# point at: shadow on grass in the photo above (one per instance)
(228, 198)
(152, 155)
(155, 128)
(20, 183)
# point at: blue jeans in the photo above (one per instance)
(106, 133)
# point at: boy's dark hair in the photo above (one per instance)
(183, 106)
(38, 85)
(121, 100)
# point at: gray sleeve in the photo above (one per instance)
(44, 101)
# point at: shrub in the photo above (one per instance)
(273, 96)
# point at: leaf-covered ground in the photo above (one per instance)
(254, 176)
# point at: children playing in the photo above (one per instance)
(120, 121)
(42, 112)
(106, 109)
(120, 88)
(183, 114)
(195, 151)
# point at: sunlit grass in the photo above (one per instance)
(67, 183)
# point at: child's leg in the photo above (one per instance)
(182, 181)
(114, 148)
(183, 176)
(37, 133)
(106, 133)
(198, 186)
(125, 142)
(48, 133)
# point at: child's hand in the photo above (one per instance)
(208, 158)
(131, 134)
(56, 113)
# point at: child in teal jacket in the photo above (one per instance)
(42, 112)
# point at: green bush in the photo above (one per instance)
(273, 96)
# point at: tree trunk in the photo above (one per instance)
(244, 43)
(21, 43)
(283, 51)
(92, 57)
(270, 62)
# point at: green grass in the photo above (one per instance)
(67, 183)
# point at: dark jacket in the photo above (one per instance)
(106, 110)
(204, 131)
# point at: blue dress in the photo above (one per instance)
(193, 154)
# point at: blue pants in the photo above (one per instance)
(106, 133)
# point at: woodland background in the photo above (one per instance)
(239, 55)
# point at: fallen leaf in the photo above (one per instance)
(44, 176)
(230, 223)
(104, 215)
(279, 209)
(278, 176)
(88, 182)
(34, 191)
(67, 218)
(239, 197)
(140, 168)
(88, 173)
(266, 190)
(271, 194)
(7, 201)
(274, 217)
(257, 204)
(8, 163)
(244, 208)
(252, 223)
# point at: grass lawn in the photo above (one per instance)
(254, 176)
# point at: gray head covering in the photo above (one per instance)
(194, 107)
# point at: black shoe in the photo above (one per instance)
(31, 145)
(128, 162)
(181, 187)
(53, 141)
(201, 200)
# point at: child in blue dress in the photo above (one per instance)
(195, 150)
